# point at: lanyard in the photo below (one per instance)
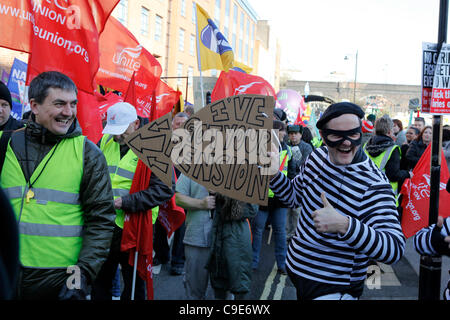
(30, 193)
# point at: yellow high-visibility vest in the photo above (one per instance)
(51, 221)
(121, 172)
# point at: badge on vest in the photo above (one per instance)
(30, 195)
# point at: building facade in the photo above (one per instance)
(167, 29)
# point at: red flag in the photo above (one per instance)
(88, 115)
(299, 119)
(109, 100)
(137, 235)
(65, 38)
(416, 195)
(16, 24)
(165, 98)
(234, 82)
(122, 56)
(130, 96)
(301, 110)
(170, 215)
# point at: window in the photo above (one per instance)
(158, 28)
(234, 42)
(227, 19)
(190, 76)
(240, 49)
(194, 13)
(241, 29)
(179, 74)
(235, 16)
(183, 8)
(192, 45)
(217, 13)
(247, 40)
(246, 53)
(122, 11)
(181, 39)
(252, 39)
(144, 21)
(241, 37)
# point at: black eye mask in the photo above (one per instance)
(345, 136)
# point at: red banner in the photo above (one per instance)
(109, 100)
(16, 22)
(232, 83)
(121, 55)
(64, 37)
(166, 98)
(170, 215)
(416, 195)
(88, 114)
(137, 233)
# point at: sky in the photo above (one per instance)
(316, 36)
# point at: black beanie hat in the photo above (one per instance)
(338, 109)
(5, 94)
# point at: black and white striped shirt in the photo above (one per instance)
(423, 245)
(359, 191)
(422, 239)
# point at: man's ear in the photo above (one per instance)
(322, 137)
(137, 123)
(34, 106)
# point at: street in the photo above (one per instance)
(396, 282)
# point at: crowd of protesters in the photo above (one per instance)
(331, 198)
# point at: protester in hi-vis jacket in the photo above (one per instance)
(122, 120)
(57, 182)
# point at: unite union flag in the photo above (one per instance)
(416, 195)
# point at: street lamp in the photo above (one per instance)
(356, 72)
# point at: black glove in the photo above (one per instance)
(70, 291)
(438, 242)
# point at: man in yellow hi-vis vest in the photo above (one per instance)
(122, 120)
(57, 182)
(386, 154)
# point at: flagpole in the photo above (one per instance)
(201, 88)
(198, 56)
(133, 285)
(430, 266)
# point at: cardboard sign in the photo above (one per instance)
(151, 144)
(436, 79)
(229, 140)
(222, 147)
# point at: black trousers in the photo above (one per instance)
(101, 288)
(162, 249)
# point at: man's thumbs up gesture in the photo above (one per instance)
(329, 220)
